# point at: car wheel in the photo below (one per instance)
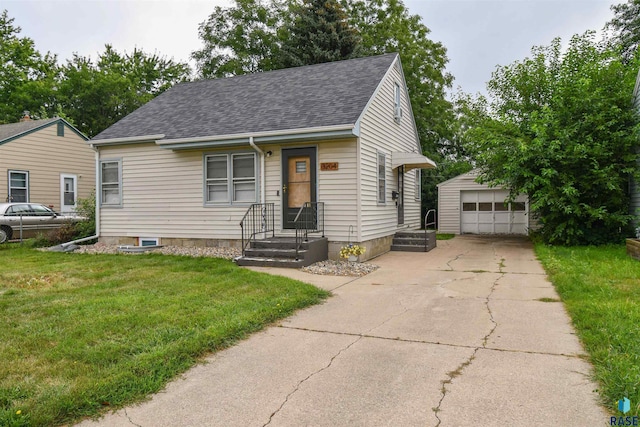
(5, 234)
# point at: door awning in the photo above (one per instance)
(411, 161)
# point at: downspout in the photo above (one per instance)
(262, 171)
(97, 233)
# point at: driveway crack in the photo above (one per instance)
(129, 418)
(459, 370)
(297, 387)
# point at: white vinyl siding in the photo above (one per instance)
(230, 178)
(382, 178)
(46, 155)
(379, 133)
(18, 186)
(111, 183)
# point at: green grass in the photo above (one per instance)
(600, 287)
(81, 333)
(444, 236)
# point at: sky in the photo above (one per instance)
(478, 34)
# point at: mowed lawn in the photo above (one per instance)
(81, 333)
(600, 287)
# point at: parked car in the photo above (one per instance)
(31, 217)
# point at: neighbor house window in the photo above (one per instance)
(60, 129)
(417, 186)
(382, 180)
(111, 182)
(230, 178)
(397, 108)
(18, 186)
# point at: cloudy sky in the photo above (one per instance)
(478, 34)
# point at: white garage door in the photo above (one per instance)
(485, 212)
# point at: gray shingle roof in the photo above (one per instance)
(333, 93)
(14, 129)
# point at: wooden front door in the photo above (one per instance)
(298, 181)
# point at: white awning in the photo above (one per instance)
(411, 161)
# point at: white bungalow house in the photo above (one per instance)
(192, 164)
(45, 161)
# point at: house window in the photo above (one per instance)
(18, 186)
(230, 178)
(148, 241)
(382, 180)
(111, 182)
(417, 186)
(397, 108)
(60, 129)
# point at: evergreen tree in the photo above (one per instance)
(319, 32)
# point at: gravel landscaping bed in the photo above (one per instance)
(328, 267)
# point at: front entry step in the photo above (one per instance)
(281, 252)
(414, 241)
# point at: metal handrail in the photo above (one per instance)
(310, 219)
(427, 224)
(259, 219)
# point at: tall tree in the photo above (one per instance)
(319, 32)
(96, 95)
(240, 39)
(563, 130)
(626, 25)
(27, 78)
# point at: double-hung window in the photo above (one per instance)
(230, 178)
(397, 106)
(18, 186)
(111, 183)
(382, 178)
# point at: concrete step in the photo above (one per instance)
(271, 262)
(273, 253)
(409, 241)
(409, 248)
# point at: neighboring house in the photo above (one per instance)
(465, 206)
(45, 161)
(187, 166)
(635, 187)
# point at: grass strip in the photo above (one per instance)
(600, 287)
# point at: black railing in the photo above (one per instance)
(427, 224)
(258, 220)
(310, 219)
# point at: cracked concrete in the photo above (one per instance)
(453, 337)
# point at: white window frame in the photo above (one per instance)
(230, 179)
(119, 183)
(10, 188)
(381, 178)
(397, 103)
(417, 185)
(154, 240)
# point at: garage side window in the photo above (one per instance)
(18, 186)
(230, 178)
(382, 178)
(111, 183)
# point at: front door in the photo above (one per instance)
(298, 182)
(68, 192)
(400, 199)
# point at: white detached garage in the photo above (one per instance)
(465, 206)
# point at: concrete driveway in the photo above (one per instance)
(459, 336)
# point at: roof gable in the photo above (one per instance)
(315, 96)
(11, 131)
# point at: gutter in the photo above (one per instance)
(262, 171)
(126, 140)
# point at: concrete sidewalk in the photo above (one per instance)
(457, 336)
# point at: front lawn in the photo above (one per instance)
(81, 333)
(600, 287)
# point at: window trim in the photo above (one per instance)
(417, 185)
(231, 180)
(120, 195)
(9, 187)
(397, 103)
(155, 240)
(381, 179)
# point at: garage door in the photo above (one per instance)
(485, 212)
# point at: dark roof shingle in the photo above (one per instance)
(327, 94)
(14, 129)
